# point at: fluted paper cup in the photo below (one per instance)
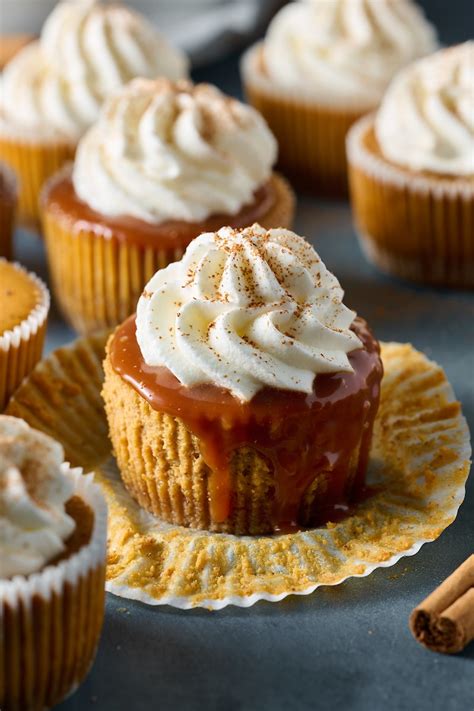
(51, 620)
(33, 161)
(415, 226)
(311, 134)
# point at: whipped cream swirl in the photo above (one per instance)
(344, 51)
(86, 51)
(33, 491)
(426, 120)
(164, 150)
(244, 310)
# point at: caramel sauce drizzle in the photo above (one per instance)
(302, 436)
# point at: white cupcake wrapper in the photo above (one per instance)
(52, 579)
(252, 76)
(33, 322)
(376, 167)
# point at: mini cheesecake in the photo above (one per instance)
(210, 457)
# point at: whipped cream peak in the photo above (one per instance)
(33, 492)
(244, 310)
(87, 50)
(344, 51)
(165, 150)
(426, 120)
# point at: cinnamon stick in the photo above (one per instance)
(444, 622)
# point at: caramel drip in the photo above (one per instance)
(324, 436)
(61, 199)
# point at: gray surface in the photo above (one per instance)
(348, 647)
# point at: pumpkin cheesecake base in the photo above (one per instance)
(417, 226)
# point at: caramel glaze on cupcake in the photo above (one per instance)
(215, 414)
(166, 162)
(412, 172)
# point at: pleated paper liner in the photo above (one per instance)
(51, 620)
(98, 278)
(412, 225)
(419, 465)
(33, 162)
(311, 134)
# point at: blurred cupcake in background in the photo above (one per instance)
(321, 66)
(242, 397)
(165, 162)
(52, 90)
(412, 172)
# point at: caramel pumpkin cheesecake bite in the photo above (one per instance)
(241, 398)
(321, 66)
(412, 172)
(52, 89)
(24, 310)
(53, 522)
(165, 162)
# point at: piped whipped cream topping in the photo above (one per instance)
(33, 491)
(246, 309)
(173, 151)
(86, 51)
(426, 120)
(344, 51)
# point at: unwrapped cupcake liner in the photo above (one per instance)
(51, 620)
(22, 346)
(416, 226)
(418, 467)
(97, 279)
(311, 134)
(33, 161)
(8, 203)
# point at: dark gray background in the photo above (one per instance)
(348, 647)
